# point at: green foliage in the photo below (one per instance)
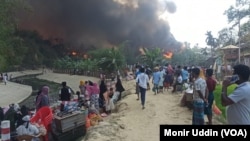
(38, 51)
(88, 64)
(64, 63)
(3, 63)
(217, 97)
(12, 50)
(204, 51)
(7, 28)
(151, 57)
(210, 40)
(188, 56)
(109, 59)
(235, 14)
(227, 36)
(21, 48)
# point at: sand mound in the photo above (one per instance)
(105, 131)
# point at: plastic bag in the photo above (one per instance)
(216, 110)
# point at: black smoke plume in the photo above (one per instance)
(101, 23)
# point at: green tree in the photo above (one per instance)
(112, 60)
(235, 14)
(11, 49)
(238, 12)
(211, 41)
(204, 51)
(109, 59)
(64, 63)
(151, 57)
(227, 36)
(189, 56)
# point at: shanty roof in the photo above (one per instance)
(229, 47)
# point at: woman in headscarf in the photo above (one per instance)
(43, 98)
(92, 92)
(103, 89)
(20, 114)
(119, 88)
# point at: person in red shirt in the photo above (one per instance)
(211, 84)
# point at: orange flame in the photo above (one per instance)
(73, 53)
(168, 55)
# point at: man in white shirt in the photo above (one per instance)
(142, 80)
(199, 98)
(238, 102)
(5, 77)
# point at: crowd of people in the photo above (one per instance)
(203, 83)
(100, 97)
(97, 98)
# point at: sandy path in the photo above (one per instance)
(138, 124)
(141, 125)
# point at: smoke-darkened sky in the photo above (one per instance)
(101, 22)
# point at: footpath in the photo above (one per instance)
(15, 92)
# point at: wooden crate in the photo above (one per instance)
(68, 122)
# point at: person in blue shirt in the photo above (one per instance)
(156, 80)
(185, 75)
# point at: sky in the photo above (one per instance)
(193, 18)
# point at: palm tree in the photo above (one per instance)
(204, 51)
(151, 57)
(112, 60)
(211, 41)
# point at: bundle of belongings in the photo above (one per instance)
(34, 130)
(68, 107)
(95, 119)
(19, 121)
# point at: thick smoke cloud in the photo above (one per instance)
(101, 22)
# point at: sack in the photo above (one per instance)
(186, 86)
(42, 130)
(216, 110)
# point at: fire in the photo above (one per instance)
(168, 55)
(73, 53)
